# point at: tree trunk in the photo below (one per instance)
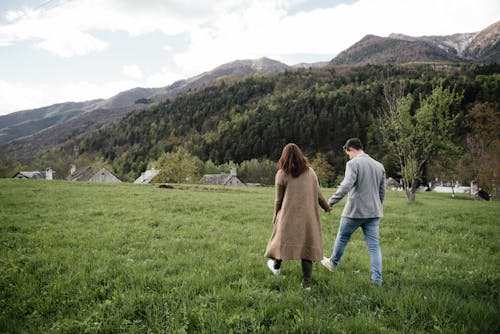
(410, 191)
(411, 197)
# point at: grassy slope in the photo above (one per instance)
(80, 257)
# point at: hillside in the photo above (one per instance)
(28, 122)
(485, 46)
(381, 50)
(34, 131)
(255, 116)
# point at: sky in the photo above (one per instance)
(77, 50)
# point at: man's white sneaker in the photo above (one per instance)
(270, 265)
(327, 264)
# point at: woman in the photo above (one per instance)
(297, 230)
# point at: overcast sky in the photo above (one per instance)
(76, 50)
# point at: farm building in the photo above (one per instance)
(222, 179)
(147, 176)
(48, 174)
(92, 175)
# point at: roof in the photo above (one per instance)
(30, 175)
(147, 176)
(82, 174)
(36, 175)
(221, 179)
(90, 174)
(393, 183)
(104, 175)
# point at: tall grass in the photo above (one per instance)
(102, 258)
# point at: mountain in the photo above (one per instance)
(29, 132)
(485, 45)
(235, 68)
(126, 98)
(27, 122)
(254, 116)
(311, 65)
(481, 46)
(385, 50)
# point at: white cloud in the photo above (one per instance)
(59, 29)
(132, 71)
(72, 43)
(265, 29)
(18, 96)
(13, 15)
(232, 29)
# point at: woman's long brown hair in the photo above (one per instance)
(292, 160)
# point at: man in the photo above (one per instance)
(364, 181)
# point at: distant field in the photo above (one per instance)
(123, 258)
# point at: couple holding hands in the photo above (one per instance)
(297, 230)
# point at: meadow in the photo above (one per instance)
(124, 258)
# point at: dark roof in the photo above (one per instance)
(36, 175)
(82, 174)
(219, 179)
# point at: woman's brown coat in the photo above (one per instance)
(297, 230)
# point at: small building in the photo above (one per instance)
(48, 174)
(393, 184)
(90, 174)
(147, 176)
(222, 179)
(441, 186)
(449, 189)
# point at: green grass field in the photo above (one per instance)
(123, 258)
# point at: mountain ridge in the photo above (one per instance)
(90, 116)
(31, 131)
(482, 46)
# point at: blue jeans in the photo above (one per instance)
(370, 228)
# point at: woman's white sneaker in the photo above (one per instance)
(270, 265)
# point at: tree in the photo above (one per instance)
(257, 171)
(178, 167)
(413, 138)
(323, 169)
(483, 145)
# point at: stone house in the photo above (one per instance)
(48, 174)
(90, 174)
(222, 179)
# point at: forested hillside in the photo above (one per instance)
(255, 116)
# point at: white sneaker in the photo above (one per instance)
(327, 264)
(270, 265)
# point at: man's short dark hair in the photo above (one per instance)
(354, 143)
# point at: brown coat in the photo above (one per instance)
(297, 230)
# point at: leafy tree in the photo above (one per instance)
(9, 167)
(257, 171)
(483, 145)
(323, 169)
(413, 138)
(178, 167)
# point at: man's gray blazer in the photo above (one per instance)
(364, 181)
